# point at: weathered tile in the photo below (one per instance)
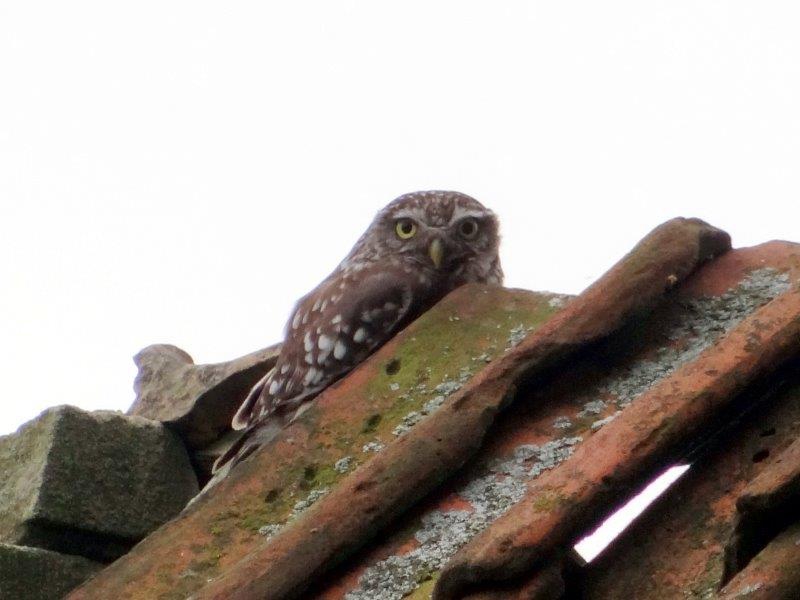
(347, 426)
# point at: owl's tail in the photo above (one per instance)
(251, 440)
(242, 417)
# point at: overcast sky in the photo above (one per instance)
(181, 172)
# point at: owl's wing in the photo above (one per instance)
(331, 330)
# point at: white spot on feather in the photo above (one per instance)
(275, 386)
(316, 306)
(324, 342)
(339, 350)
(360, 335)
(310, 375)
(285, 368)
(336, 319)
(296, 320)
(308, 343)
(310, 358)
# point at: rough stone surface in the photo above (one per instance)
(198, 401)
(36, 574)
(90, 483)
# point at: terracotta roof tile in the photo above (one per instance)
(407, 478)
(348, 425)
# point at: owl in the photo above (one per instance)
(417, 249)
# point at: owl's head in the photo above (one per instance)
(445, 234)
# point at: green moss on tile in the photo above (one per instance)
(425, 589)
(548, 501)
(440, 347)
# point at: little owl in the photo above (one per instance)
(419, 247)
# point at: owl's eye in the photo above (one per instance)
(405, 229)
(468, 228)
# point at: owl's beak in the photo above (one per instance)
(436, 252)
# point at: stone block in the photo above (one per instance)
(197, 401)
(36, 574)
(91, 484)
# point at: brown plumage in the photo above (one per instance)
(418, 248)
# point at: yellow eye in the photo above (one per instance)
(405, 229)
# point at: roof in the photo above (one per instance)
(467, 456)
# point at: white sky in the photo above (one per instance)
(593, 544)
(181, 172)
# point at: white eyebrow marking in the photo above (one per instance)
(414, 212)
(460, 212)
